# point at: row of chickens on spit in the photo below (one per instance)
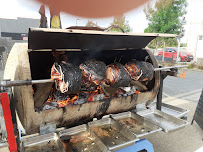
(69, 79)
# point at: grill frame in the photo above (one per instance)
(69, 116)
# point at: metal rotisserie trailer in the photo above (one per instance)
(34, 62)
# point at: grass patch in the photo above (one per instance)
(171, 63)
(191, 66)
(200, 67)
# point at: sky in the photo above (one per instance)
(29, 9)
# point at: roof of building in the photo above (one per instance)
(19, 25)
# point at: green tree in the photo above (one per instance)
(165, 17)
(122, 23)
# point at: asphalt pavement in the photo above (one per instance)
(182, 88)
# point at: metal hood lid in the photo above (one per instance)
(45, 38)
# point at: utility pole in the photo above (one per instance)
(164, 50)
(77, 22)
(178, 48)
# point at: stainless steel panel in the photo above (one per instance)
(43, 143)
(171, 110)
(81, 138)
(112, 134)
(165, 121)
(138, 125)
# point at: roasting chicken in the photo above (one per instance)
(93, 73)
(67, 77)
(117, 75)
(140, 70)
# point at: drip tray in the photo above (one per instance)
(112, 134)
(42, 143)
(81, 138)
(170, 110)
(138, 125)
(163, 120)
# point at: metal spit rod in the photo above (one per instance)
(8, 83)
(173, 67)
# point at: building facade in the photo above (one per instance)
(15, 30)
(194, 29)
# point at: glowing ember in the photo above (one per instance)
(96, 92)
(137, 92)
(73, 98)
(68, 101)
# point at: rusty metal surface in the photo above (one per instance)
(70, 115)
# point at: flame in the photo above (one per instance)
(33, 92)
(68, 101)
(71, 100)
(182, 75)
(96, 92)
(137, 92)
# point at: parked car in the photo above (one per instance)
(172, 53)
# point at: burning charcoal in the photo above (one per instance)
(82, 98)
(129, 90)
(50, 105)
(140, 70)
(58, 96)
(117, 75)
(93, 73)
(67, 77)
(98, 97)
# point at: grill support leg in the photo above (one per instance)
(159, 95)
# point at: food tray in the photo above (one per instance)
(138, 125)
(42, 143)
(112, 134)
(171, 110)
(165, 121)
(81, 138)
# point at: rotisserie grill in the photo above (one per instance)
(95, 73)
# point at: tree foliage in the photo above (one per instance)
(91, 24)
(165, 17)
(122, 23)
